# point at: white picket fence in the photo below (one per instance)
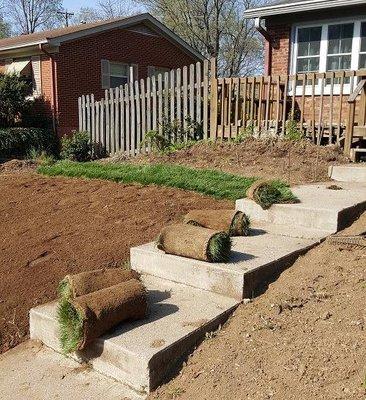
(119, 122)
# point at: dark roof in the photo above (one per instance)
(52, 34)
(56, 36)
(279, 7)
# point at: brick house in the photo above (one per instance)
(312, 35)
(65, 63)
(325, 42)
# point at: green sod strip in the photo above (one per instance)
(219, 248)
(71, 326)
(218, 184)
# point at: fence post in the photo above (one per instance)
(205, 98)
(80, 115)
(213, 100)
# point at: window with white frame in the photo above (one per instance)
(115, 74)
(362, 61)
(331, 46)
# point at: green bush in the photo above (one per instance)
(292, 131)
(19, 142)
(76, 147)
(13, 93)
(173, 136)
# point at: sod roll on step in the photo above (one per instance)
(91, 281)
(85, 318)
(195, 242)
(263, 193)
(235, 223)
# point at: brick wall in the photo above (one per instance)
(280, 36)
(79, 65)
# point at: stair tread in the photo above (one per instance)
(130, 352)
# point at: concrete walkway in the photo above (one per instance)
(187, 298)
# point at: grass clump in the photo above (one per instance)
(71, 323)
(219, 248)
(213, 183)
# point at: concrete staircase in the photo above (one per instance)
(189, 298)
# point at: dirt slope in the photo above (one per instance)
(303, 339)
(53, 226)
(295, 162)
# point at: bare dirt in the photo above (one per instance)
(294, 162)
(302, 339)
(50, 227)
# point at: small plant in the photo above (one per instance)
(172, 136)
(41, 157)
(292, 131)
(76, 147)
(244, 134)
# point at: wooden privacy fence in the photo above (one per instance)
(195, 98)
(120, 121)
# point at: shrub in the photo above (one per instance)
(13, 93)
(19, 142)
(174, 136)
(76, 147)
(292, 131)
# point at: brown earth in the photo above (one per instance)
(295, 162)
(50, 227)
(303, 339)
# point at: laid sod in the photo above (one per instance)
(218, 184)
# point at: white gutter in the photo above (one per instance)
(22, 45)
(306, 5)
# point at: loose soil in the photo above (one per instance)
(50, 227)
(294, 162)
(302, 339)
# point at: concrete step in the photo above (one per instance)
(320, 208)
(348, 173)
(143, 353)
(254, 259)
(33, 371)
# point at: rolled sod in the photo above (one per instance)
(90, 281)
(85, 318)
(195, 242)
(264, 193)
(235, 223)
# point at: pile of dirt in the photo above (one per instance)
(51, 227)
(295, 162)
(302, 339)
(16, 165)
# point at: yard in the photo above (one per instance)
(54, 226)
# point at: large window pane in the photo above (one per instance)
(362, 61)
(363, 37)
(340, 38)
(335, 63)
(119, 69)
(118, 81)
(309, 41)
